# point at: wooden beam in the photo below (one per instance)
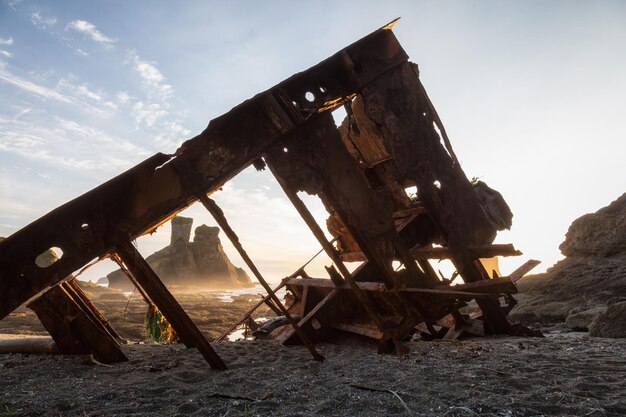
(327, 283)
(221, 220)
(523, 270)
(73, 329)
(372, 333)
(478, 251)
(290, 332)
(493, 285)
(248, 314)
(72, 287)
(328, 248)
(167, 304)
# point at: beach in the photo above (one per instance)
(564, 373)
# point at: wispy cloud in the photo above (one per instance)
(151, 76)
(41, 91)
(66, 91)
(7, 42)
(90, 30)
(64, 143)
(148, 114)
(42, 22)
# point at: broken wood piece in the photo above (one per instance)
(35, 345)
(484, 251)
(74, 329)
(523, 270)
(369, 332)
(167, 304)
(247, 314)
(494, 285)
(221, 220)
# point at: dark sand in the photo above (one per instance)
(564, 374)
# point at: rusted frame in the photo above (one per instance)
(147, 195)
(221, 220)
(167, 304)
(74, 328)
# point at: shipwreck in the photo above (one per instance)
(391, 139)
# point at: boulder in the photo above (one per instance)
(599, 234)
(201, 262)
(611, 323)
(580, 320)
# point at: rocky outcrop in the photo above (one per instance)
(201, 262)
(579, 288)
(598, 235)
(611, 323)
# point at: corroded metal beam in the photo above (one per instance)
(142, 198)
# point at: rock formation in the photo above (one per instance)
(201, 262)
(591, 278)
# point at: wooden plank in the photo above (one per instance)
(372, 333)
(72, 287)
(523, 270)
(167, 304)
(221, 220)
(306, 319)
(327, 283)
(481, 251)
(247, 314)
(493, 285)
(73, 330)
(380, 287)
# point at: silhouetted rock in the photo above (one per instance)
(592, 276)
(599, 234)
(202, 262)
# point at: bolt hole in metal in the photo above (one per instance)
(84, 226)
(310, 97)
(285, 150)
(49, 257)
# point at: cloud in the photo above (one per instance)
(148, 114)
(90, 30)
(67, 144)
(42, 22)
(151, 76)
(8, 41)
(122, 97)
(6, 53)
(66, 92)
(80, 52)
(30, 87)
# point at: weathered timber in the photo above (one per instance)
(327, 283)
(477, 251)
(72, 287)
(248, 314)
(221, 220)
(327, 246)
(73, 329)
(523, 270)
(167, 304)
(369, 332)
(306, 319)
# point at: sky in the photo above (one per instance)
(532, 94)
